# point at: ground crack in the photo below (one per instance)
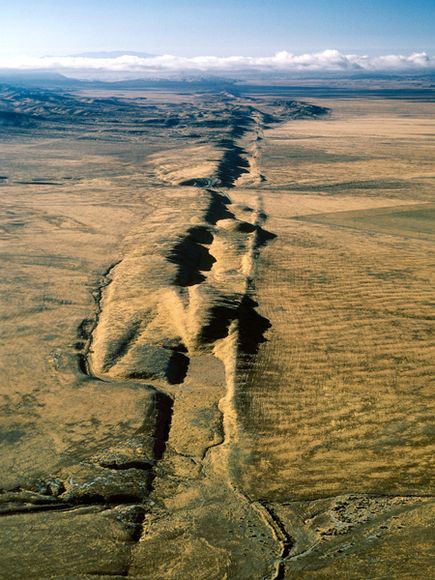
(286, 542)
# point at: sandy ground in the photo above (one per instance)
(217, 351)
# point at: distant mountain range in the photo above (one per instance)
(56, 81)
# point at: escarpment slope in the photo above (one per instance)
(217, 336)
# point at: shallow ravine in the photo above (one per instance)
(212, 294)
(199, 468)
(166, 337)
(196, 437)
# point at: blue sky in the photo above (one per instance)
(218, 27)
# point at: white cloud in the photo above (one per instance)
(328, 60)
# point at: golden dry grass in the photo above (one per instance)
(295, 440)
(338, 399)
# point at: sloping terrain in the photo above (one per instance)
(216, 327)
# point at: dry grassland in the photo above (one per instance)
(218, 347)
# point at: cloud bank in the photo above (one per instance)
(326, 61)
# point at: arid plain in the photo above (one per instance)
(217, 334)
